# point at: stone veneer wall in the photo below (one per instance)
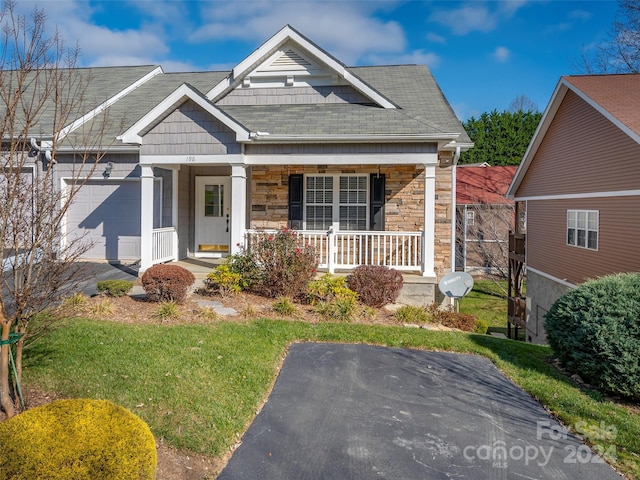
(404, 209)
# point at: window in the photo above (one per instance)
(582, 228)
(344, 207)
(213, 200)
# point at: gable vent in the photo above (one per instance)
(291, 59)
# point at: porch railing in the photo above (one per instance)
(345, 250)
(164, 245)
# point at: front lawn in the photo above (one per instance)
(199, 386)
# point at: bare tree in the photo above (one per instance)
(522, 103)
(483, 235)
(619, 52)
(42, 92)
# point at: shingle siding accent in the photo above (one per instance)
(294, 95)
(189, 130)
(404, 209)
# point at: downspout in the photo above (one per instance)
(454, 207)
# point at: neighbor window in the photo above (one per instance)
(336, 200)
(582, 228)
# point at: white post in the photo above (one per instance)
(146, 217)
(331, 250)
(428, 253)
(238, 223)
(175, 178)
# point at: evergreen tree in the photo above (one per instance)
(500, 138)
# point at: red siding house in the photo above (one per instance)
(484, 217)
(580, 181)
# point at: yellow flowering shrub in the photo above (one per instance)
(80, 439)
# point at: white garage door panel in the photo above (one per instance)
(108, 214)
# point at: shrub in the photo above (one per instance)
(448, 317)
(342, 309)
(595, 332)
(224, 281)
(81, 439)
(167, 282)
(246, 267)
(376, 285)
(114, 288)
(167, 310)
(283, 306)
(78, 299)
(327, 288)
(102, 308)
(411, 314)
(284, 262)
(481, 327)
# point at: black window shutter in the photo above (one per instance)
(376, 202)
(296, 205)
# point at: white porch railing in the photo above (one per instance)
(164, 245)
(348, 249)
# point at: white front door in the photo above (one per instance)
(212, 216)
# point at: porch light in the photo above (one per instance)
(107, 170)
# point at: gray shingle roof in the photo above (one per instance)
(423, 109)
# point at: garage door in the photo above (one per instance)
(107, 213)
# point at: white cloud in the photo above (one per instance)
(435, 38)
(346, 29)
(501, 54)
(476, 15)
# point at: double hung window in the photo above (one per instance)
(582, 228)
(338, 201)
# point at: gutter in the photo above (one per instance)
(266, 137)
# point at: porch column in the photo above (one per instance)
(146, 217)
(174, 209)
(428, 252)
(238, 224)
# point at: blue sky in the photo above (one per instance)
(482, 53)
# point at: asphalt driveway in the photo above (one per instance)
(363, 412)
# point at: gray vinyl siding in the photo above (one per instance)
(167, 185)
(294, 95)
(189, 130)
(124, 166)
(618, 233)
(582, 151)
(339, 148)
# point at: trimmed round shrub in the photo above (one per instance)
(376, 285)
(165, 283)
(81, 439)
(594, 330)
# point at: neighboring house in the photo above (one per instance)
(484, 217)
(360, 160)
(580, 180)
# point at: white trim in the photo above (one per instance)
(551, 277)
(288, 34)
(179, 95)
(106, 104)
(349, 159)
(264, 137)
(191, 159)
(572, 196)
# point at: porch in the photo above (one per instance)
(336, 250)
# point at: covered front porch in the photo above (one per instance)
(242, 217)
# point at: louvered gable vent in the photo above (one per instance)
(291, 59)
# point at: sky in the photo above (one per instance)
(483, 54)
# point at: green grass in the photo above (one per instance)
(198, 386)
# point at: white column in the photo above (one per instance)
(175, 178)
(238, 221)
(146, 217)
(428, 253)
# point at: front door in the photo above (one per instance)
(212, 216)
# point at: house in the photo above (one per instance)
(484, 217)
(359, 160)
(580, 182)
